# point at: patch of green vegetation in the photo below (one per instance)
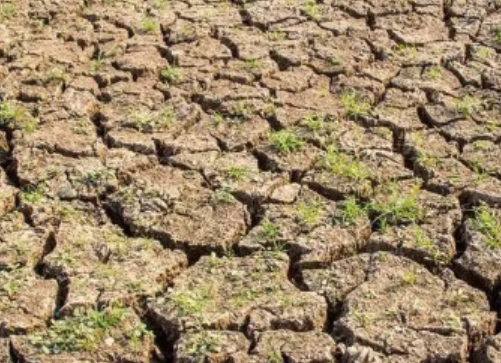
(468, 105)
(313, 123)
(488, 223)
(203, 343)
(406, 50)
(345, 166)
(149, 25)
(354, 105)
(409, 278)
(363, 319)
(497, 35)
(237, 173)
(426, 160)
(252, 64)
(96, 177)
(170, 75)
(218, 118)
(270, 232)
(13, 117)
(7, 11)
(350, 211)
(147, 122)
(33, 194)
(194, 301)
(310, 8)
(223, 196)
(243, 111)
(434, 73)
(274, 356)
(277, 36)
(86, 330)
(309, 214)
(159, 4)
(10, 285)
(285, 142)
(397, 207)
(57, 75)
(483, 145)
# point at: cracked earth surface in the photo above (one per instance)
(232, 181)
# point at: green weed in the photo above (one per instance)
(252, 65)
(200, 344)
(149, 25)
(313, 123)
(237, 173)
(85, 331)
(310, 8)
(33, 194)
(170, 75)
(409, 278)
(270, 232)
(7, 11)
(309, 214)
(497, 35)
(13, 117)
(354, 105)
(194, 301)
(147, 122)
(434, 73)
(468, 105)
(397, 207)
(350, 211)
(488, 223)
(286, 142)
(345, 166)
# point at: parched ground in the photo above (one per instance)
(239, 181)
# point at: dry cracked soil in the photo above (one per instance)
(250, 181)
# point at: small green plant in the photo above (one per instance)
(97, 63)
(7, 11)
(33, 194)
(497, 35)
(354, 105)
(194, 301)
(350, 211)
(277, 36)
(409, 278)
(270, 232)
(86, 331)
(426, 160)
(397, 207)
(286, 142)
(223, 196)
(468, 105)
(57, 76)
(149, 25)
(200, 344)
(96, 177)
(434, 73)
(151, 121)
(310, 8)
(237, 173)
(170, 75)
(274, 356)
(252, 65)
(218, 118)
(309, 214)
(13, 117)
(406, 50)
(10, 287)
(482, 145)
(488, 223)
(243, 111)
(344, 165)
(159, 4)
(313, 123)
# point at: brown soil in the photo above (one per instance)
(226, 181)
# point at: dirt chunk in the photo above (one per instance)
(26, 301)
(250, 292)
(91, 336)
(176, 207)
(98, 264)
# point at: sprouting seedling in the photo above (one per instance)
(149, 25)
(497, 35)
(286, 142)
(7, 11)
(237, 173)
(313, 123)
(488, 223)
(252, 64)
(354, 104)
(170, 75)
(311, 9)
(468, 105)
